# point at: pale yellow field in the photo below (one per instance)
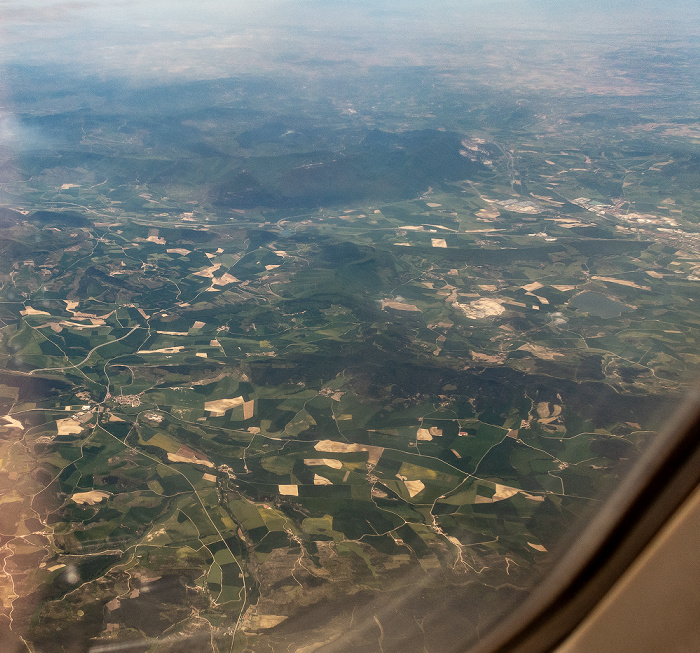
(414, 487)
(218, 407)
(621, 282)
(328, 462)
(330, 446)
(165, 350)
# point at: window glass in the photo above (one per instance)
(323, 325)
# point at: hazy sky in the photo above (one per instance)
(207, 38)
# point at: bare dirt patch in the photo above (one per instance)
(187, 455)
(68, 426)
(32, 311)
(399, 306)
(13, 423)
(90, 498)
(540, 352)
(487, 358)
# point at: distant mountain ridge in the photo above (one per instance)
(383, 166)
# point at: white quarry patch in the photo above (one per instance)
(481, 308)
